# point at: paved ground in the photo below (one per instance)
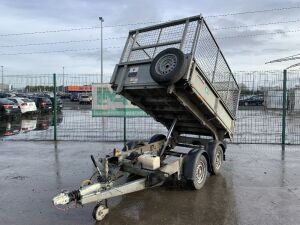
(259, 185)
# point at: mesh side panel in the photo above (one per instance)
(141, 54)
(159, 36)
(159, 49)
(214, 67)
(172, 33)
(146, 38)
(189, 38)
(127, 49)
(206, 52)
(221, 80)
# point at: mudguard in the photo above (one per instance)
(189, 162)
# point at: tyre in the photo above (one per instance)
(217, 160)
(157, 137)
(99, 212)
(168, 66)
(195, 169)
(132, 144)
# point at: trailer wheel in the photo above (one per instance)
(195, 169)
(99, 212)
(217, 161)
(168, 66)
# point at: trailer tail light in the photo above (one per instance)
(7, 133)
(43, 125)
(7, 106)
(24, 104)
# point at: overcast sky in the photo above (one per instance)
(242, 53)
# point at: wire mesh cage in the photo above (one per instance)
(193, 37)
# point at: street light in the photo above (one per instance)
(2, 79)
(63, 81)
(101, 20)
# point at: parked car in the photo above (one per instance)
(28, 125)
(21, 95)
(44, 121)
(85, 98)
(6, 95)
(252, 101)
(58, 102)
(43, 104)
(9, 127)
(63, 95)
(9, 108)
(74, 97)
(25, 104)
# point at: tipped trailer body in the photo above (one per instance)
(200, 91)
(177, 74)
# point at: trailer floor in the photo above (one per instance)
(259, 185)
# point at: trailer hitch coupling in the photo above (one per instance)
(61, 199)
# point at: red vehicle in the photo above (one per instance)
(8, 108)
(43, 104)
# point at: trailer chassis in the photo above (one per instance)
(122, 163)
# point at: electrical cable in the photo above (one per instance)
(58, 51)
(256, 25)
(263, 34)
(149, 22)
(123, 37)
(255, 11)
(116, 47)
(60, 42)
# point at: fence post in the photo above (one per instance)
(284, 107)
(124, 132)
(54, 108)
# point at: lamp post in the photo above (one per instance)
(2, 78)
(101, 20)
(63, 81)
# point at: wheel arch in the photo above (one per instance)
(188, 167)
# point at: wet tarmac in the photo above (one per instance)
(258, 185)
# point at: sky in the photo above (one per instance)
(245, 39)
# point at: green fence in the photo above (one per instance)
(261, 116)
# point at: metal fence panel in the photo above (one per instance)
(258, 121)
(259, 116)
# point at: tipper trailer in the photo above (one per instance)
(177, 74)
